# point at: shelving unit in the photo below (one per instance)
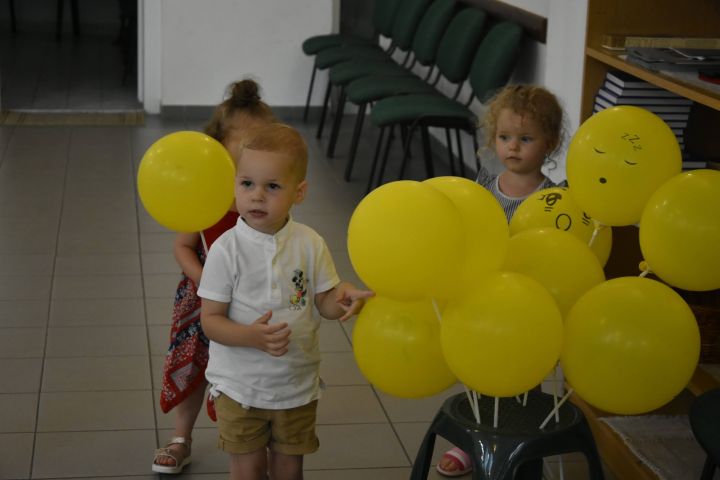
(698, 18)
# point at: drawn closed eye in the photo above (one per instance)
(598, 151)
(630, 163)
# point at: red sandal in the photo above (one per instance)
(460, 459)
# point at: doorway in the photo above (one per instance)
(69, 56)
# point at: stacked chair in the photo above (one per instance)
(453, 59)
(358, 61)
(423, 51)
(490, 70)
(383, 17)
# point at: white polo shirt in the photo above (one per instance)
(255, 272)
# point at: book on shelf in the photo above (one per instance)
(638, 92)
(673, 59)
(625, 80)
(659, 110)
(630, 100)
(666, 41)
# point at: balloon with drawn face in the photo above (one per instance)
(617, 159)
(555, 208)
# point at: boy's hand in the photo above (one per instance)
(350, 299)
(272, 339)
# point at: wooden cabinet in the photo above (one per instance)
(696, 18)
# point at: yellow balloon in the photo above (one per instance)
(397, 347)
(631, 345)
(404, 239)
(617, 159)
(555, 207)
(680, 231)
(186, 181)
(485, 229)
(564, 265)
(504, 336)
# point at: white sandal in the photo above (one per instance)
(180, 460)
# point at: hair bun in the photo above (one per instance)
(244, 93)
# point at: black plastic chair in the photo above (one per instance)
(383, 17)
(516, 447)
(704, 416)
(453, 58)
(491, 68)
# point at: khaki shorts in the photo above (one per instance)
(245, 430)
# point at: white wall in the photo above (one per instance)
(207, 45)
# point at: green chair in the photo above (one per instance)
(453, 59)
(423, 49)
(491, 68)
(383, 16)
(359, 58)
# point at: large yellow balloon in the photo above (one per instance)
(617, 159)
(484, 227)
(186, 181)
(397, 347)
(504, 336)
(558, 260)
(555, 207)
(680, 231)
(405, 240)
(631, 345)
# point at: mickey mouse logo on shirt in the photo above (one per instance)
(298, 298)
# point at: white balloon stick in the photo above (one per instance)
(204, 243)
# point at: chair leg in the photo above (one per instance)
(362, 108)
(336, 124)
(75, 17)
(13, 18)
(59, 19)
(406, 150)
(383, 164)
(451, 157)
(476, 147)
(309, 94)
(376, 158)
(421, 465)
(324, 111)
(461, 157)
(708, 471)
(425, 134)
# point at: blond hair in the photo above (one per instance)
(276, 138)
(529, 101)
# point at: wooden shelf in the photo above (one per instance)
(704, 96)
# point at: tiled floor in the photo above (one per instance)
(86, 281)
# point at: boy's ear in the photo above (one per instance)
(301, 190)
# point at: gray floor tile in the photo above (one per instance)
(333, 338)
(160, 285)
(89, 341)
(97, 286)
(22, 342)
(105, 373)
(339, 368)
(359, 474)
(156, 242)
(93, 454)
(101, 241)
(16, 459)
(411, 436)
(23, 313)
(153, 263)
(17, 413)
(347, 405)
(28, 264)
(25, 287)
(96, 312)
(416, 409)
(159, 311)
(22, 375)
(159, 336)
(88, 411)
(167, 420)
(357, 446)
(99, 264)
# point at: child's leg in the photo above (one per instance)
(285, 467)
(249, 466)
(186, 413)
